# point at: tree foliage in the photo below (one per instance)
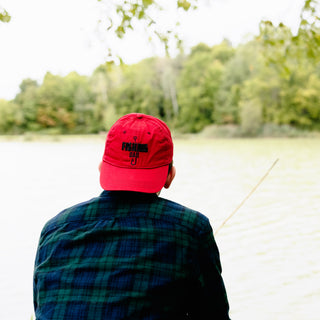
(4, 15)
(199, 84)
(123, 16)
(273, 79)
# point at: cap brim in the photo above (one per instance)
(114, 178)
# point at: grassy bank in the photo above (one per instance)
(210, 132)
(265, 131)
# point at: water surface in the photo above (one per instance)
(269, 249)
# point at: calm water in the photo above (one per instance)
(270, 250)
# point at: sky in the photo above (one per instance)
(61, 36)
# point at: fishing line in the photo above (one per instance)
(246, 198)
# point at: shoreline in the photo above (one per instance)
(209, 133)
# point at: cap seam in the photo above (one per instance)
(135, 167)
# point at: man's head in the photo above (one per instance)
(137, 156)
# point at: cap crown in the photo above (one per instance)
(139, 141)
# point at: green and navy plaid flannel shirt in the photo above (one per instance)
(127, 255)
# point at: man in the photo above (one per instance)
(129, 254)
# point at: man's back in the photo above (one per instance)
(128, 255)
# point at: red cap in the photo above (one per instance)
(137, 154)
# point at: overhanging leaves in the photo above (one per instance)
(5, 16)
(126, 15)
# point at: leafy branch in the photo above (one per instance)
(126, 15)
(4, 16)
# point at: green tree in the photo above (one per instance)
(54, 105)
(148, 86)
(27, 99)
(168, 70)
(79, 89)
(198, 86)
(139, 90)
(309, 30)
(250, 117)
(57, 99)
(240, 67)
(103, 111)
(279, 41)
(294, 59)
(307, 102)
(61, 104)
(10, 117)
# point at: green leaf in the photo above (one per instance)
(184, 4)
(4, 16)
(147, 3)
(141, 15)
(120, 32)
(303, 22)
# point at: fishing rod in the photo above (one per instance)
(247, 197)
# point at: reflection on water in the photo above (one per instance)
(269, 249)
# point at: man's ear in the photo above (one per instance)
(170, 177)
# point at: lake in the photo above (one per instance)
(270, 249)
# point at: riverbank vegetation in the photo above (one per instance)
(267, 86)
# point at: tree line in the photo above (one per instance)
(273, 79)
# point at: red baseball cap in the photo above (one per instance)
(137, 154)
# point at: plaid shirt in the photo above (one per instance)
(127, 255)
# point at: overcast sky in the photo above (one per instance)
(61, 36)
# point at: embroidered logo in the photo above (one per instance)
(134, 149)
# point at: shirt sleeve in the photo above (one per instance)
(35, 276)
(35, 291)
(210, 299)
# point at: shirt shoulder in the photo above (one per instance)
(108, 207)
(184, 216)
(74, 214)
